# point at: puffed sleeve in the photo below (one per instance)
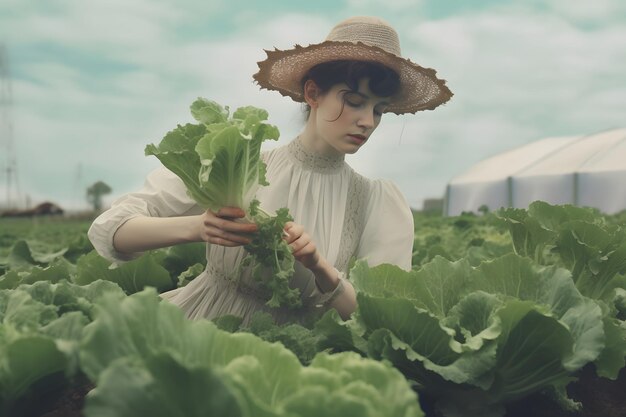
(388, 233)
(163, 195)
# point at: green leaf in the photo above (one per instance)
(140, 326)
(10, 280)
(220, 163)
(162, 387)
(551, 217)
(352, 385)
(190, 274)
(595, 257)
(179, 258)
(530, 237)
(478, 338)
(56, 271)
(336, 335)
(425, 343)
(208, 112)
(131, 276)
(125, 347)
(419, 329)
(298, 339)
(229, 323)
(473, 318)
(554, 292)
(436, 287)
(272, 257)
(531, 352)
(613, 357)
(24, 361)
(21, 257)
(19, 310)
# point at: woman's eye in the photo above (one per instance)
(354, 103)
(353, 100)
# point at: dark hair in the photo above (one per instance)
(383, 81)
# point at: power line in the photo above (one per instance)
(6, 132)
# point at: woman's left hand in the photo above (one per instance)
(326, 276)
(302, 245)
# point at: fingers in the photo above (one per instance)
(221, 228)
(225, 238)
(293, 232)
(230, 212)
(300, 242)
(224, 220)
(223, 242)
(307, 250)
(302, 246)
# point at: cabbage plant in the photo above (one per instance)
(219, 160)
(147, 359)
(477, 338)
(40, 331)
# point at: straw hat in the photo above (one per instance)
(360, 38)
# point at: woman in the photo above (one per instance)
(348, 82)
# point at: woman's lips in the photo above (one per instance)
(358, 139)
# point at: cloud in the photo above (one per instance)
(95, 24)
(94, 82)
(517, 77)
(393, 5)
(590, 11)
(61, 116)
(525, 65)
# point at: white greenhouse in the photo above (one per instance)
(581, 170)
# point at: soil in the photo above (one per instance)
(600, 397)
(70, 402)
(60, 398)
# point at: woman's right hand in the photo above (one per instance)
(221, 228)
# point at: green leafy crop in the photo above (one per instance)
(145, 358)
(219, 160)
(477, 338)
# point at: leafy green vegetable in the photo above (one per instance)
(300, 340)
(577, 238)
(477, 338)
(271, 253)
(178, 259)
(40, 330)
(161, 387)
(189, 274)
(131, 276)
(145, 357)
(219, 160)
(57, 270)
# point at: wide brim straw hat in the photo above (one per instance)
(360, 38)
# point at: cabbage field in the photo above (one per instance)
(511, 313)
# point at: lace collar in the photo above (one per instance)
(311, 160)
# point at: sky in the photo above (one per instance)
(92, 82)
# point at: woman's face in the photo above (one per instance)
(345, 118)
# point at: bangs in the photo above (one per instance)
(383, 81)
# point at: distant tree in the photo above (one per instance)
(95, 193)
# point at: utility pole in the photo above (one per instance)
(6, 132)
(78, 195)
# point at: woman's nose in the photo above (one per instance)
(366, 119)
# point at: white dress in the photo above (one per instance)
(347, 215)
